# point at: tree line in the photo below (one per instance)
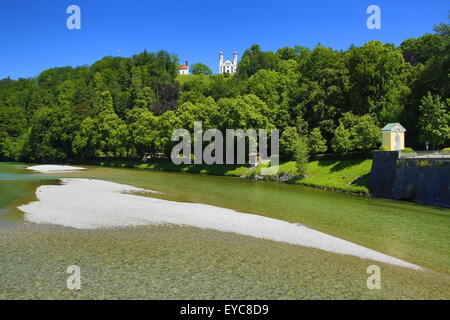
(321, 100)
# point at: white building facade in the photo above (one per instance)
(184, 69)
(228, 66)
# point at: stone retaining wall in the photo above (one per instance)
(421, 180)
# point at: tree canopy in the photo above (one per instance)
(320, 99)
(201, 69)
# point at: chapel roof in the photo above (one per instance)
(394, 127)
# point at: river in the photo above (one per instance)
(160, 262)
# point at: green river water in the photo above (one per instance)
(188, 263)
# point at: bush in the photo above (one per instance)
(356, 133)
(301, 157)
(288, 141)
(424, 163)
(316, 142)
(341, 140)
(383, 148)
(408, 150)
(446, 150)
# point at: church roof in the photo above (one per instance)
(183, 67)
(394, 127)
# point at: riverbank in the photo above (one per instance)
(345, 175)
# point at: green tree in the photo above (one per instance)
(316, 143)
(434, 120)
(142, 130)
(288, 141)
(342, 139)
(254, 60)
(301, 156)
(200, 69)
(423, 49)
(375, 70)
(268, 85)
(87, 139)
(356, 133)
(366, 134)
(244, 112)
(12, 125)
(108, 125)
(51, 134)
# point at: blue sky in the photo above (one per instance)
(34, 35)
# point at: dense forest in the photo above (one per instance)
(320, 99)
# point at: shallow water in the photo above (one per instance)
(18, 186)
(181, 262)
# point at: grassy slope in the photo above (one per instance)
(335, 175)
(183, 78)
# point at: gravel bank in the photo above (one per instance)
(51, 168)
(94, 204)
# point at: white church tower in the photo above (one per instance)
(220, 61)
(228, 66)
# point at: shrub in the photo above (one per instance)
(316, 142)
(408, 150)
(288, 141)
(301, 156)
(341, 140)
(424, 163)
(356, 133)
(384, 148)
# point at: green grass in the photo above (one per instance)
(183, 78)
(331, 174)
(339, 175)
(327, 174)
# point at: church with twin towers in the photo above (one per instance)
(228, 66)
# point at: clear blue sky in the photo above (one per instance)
(34, 35)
